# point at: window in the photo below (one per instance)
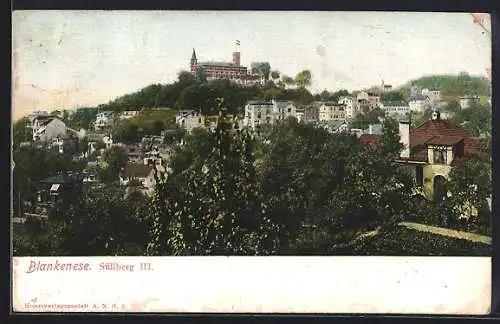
(419, 175)
(199, 120)
(439, 156)
(258, 115)
(289, 110)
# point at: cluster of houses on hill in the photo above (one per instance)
(428, 155)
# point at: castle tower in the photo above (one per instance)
(193, 62)
(237, 54)
(236, 58)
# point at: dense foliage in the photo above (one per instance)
(400, 241)
(103, 223)
(288, 189)
(462, 84)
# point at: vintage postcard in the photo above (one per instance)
(241, 162)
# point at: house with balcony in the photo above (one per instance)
(368, 100)
(351, 106)
(103, 120)
(267, 112)
(430, 150)
(396, 109)
(331, 111)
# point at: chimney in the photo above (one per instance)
(404, 135)
(236, 58)
(436, 115)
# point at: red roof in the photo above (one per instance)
(444, 140)
(439, 127)
(372, 140)
(473, 146)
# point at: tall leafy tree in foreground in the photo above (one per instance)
(390, 145)
(470, 187)
(218, 209)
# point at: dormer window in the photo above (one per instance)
(440, 156)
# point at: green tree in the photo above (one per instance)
(287, 81)
(263, 68)
(362, 121)
(104, 223)
(20, 132)
(126, 131)
(391, 96)
(477, 120)
(390, 145)
(217, 210)
(303, 78)
(470, 186)
(453, 107)
(275, 75)
(115, 159)
(185, 78)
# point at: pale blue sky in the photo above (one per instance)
(66, 59)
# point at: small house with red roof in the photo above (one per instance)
(429, 151)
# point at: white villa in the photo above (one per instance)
(395, 109)
(47, 128)
(351, 107)
(103, 120)
(418, 103)
(468, 101)
(189, 120)
(267, 112)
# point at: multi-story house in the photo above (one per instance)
(64, 144)
(284, 109)
(189, 120)
(142, 175)
(434, 95)
(369, 100)
(47, 128)
(385, 87)
(418, 103)
(468, 101)
(311, 113)
(267, 112)
(332, 111)
(103, 120)
(429, 152)
(351, 107)
(396, 109)
(258, 113)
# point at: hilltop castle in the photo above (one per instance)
(232, 71)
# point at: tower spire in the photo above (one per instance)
(193, 56)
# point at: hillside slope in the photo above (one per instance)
(451, 85)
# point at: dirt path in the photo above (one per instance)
(448, 232)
